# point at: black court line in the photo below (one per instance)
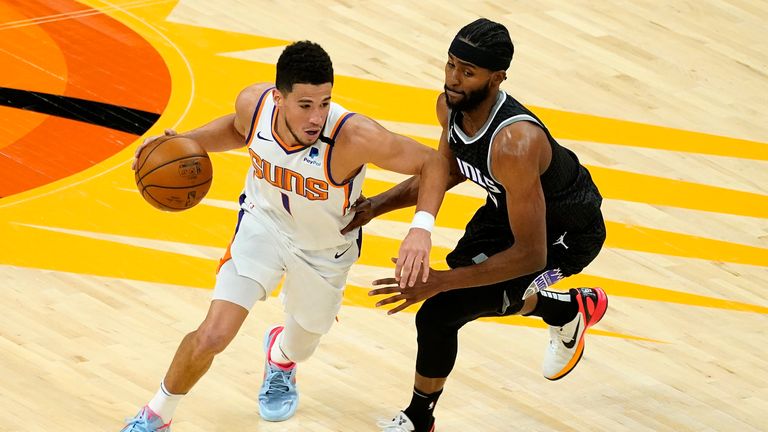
(116, 117)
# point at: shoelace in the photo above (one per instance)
(133, 421)
(141, 420)
(277, 381)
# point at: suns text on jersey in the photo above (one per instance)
(288, 180)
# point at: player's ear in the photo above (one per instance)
(277, 96)
(497, 77)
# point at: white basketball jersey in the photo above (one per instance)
(293, 185)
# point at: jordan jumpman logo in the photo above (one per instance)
(561, 240)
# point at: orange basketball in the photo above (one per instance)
(173, 173)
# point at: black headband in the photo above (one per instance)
(478, 56)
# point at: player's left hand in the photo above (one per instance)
(420, 291)
(413, 257)
(364, 212)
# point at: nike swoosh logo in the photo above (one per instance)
(338, 255)
(258, 135)
(570, 344)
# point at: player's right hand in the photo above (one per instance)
(364, 212)
(147, 141)
(413, 257)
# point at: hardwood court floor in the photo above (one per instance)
(663, 101)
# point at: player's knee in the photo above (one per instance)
(434, 314)
(211, 339)
(425, 318)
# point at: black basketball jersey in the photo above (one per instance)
(571, 196)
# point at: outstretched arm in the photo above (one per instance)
(406, 193)
(365, 141)
(517, 158)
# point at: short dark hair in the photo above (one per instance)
(489, 36)
(303, 62)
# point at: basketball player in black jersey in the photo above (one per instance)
(541, 222)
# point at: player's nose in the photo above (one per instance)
(316, 118)
(452, 79)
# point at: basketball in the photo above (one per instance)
(173, 173)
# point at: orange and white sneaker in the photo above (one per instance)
(566, 343)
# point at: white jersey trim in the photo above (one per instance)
(256, 115)
(469, 140)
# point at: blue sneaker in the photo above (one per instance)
(278, 397)
(146, 421)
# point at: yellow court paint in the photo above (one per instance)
(206, 81)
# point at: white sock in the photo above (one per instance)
(164, 403)
(276, 354)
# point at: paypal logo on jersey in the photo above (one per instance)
(312, 159)
(477, 176)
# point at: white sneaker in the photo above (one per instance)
(401, 423)
(566, 343)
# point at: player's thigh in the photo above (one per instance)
(256, 264)
(314, 287)
(575, 249)
(243, 291)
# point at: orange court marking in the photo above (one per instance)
(86, 56)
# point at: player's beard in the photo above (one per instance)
(471, 100)
(296, 137)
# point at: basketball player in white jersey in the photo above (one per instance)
(308, 158)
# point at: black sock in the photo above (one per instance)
(556, 308)
(421, 408)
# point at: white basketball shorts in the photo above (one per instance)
(314, 280)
